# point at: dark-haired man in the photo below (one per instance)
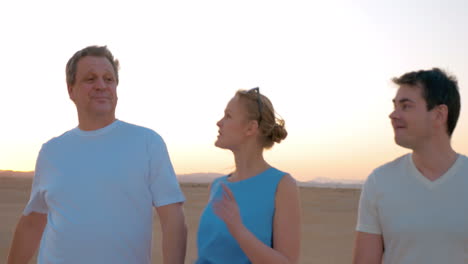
(95, 186)
(414, 209)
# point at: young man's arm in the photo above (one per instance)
(369, 245)
(368, 248)
(26, 238)
(174, 233)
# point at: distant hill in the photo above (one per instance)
(332, 183)
(191, 178)
(21, 174)
(209, 177)
(198, 177)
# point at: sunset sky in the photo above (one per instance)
(325, 65)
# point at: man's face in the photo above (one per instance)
(95, 89)
(411, 121)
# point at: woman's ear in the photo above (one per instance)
(252, 128)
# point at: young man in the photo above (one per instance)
(95, 186)
(414, 209)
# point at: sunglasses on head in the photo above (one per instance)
(256, 90)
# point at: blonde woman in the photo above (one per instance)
(253, 214)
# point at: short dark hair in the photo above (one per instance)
(96, 51)
(438, 88)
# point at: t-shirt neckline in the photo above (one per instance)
(432, 184)
(97, 132)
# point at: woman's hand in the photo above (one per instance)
(227, 209)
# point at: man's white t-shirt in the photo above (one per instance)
(98, 189)
(421, 221)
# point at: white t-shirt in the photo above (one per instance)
(420, 221)
(98, 189)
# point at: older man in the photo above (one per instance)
(95, 186)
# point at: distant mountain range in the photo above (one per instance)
(317, 182)
(209, 177)
(22, 174)
(333, 183)
(198, 177)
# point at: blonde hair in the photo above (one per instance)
(272, 128)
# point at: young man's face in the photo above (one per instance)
(412, 122)
(95, 89)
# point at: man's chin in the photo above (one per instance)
(402, 143)
(103, 108)
(103, 111)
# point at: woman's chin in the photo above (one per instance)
(219, 144)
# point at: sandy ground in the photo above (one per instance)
(328, 220)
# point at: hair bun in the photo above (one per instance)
(278, 132)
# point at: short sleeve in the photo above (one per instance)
(164, 186)
(368, 214)
(37, 201)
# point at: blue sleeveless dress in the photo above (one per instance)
(256, 199)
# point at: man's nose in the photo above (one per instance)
(393, 114)
(100, 83)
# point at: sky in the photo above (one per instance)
(325, 65)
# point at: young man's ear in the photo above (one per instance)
(441, 114)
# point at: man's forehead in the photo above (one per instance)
(93, 63)
(408, 91)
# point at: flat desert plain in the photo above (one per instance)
(328, 220)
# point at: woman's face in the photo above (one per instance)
(233, 126)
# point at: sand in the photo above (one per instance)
(328, 220)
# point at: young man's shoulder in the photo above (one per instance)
(393, 167)
(396, 163)
(463, 158)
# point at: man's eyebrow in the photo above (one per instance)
(403, 100)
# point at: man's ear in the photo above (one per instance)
(70, 92)
(441, 114)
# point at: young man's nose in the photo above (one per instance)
(393, 114)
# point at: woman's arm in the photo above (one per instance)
(286, 226)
